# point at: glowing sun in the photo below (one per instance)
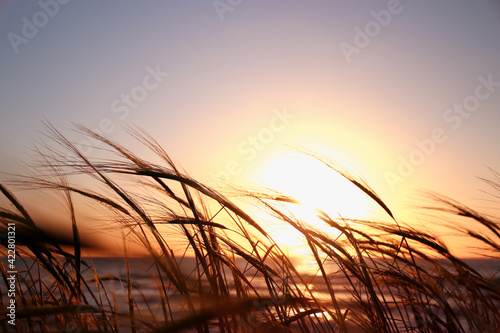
(315, 186)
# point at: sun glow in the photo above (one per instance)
(315, 186)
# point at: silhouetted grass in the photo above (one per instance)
(370, 276)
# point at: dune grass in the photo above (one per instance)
(378, 276)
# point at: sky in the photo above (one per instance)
(406, 92)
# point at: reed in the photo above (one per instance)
(393, 277)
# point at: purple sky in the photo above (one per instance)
(360, 80)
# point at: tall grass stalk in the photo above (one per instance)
(370, 276)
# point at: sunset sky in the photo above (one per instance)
(406, 92)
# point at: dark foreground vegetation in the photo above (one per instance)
(365, 276)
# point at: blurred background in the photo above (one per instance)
(406, 92)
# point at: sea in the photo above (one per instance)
(113, 291)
